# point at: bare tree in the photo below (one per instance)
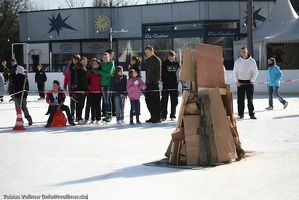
(75, 3)
(9, 23)
(112, 3)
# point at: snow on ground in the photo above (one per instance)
(106, 161)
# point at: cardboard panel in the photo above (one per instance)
(221, 141)
(192, 139)
(186, 72)
(209, 65)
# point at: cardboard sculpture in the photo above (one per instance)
(206, 132)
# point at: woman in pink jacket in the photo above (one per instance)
(134, 87)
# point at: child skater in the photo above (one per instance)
(40, 81)
(118, 86)
(55, 98)
(134, 87)
(94, 82)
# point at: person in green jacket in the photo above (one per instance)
(107, 71)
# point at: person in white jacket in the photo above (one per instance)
(245, 73)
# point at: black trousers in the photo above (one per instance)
(53, 111)
(246, 89)
(95, 105)
(152, 100)
(80, 105)
(174, 94)
(41, 89)
(72, 103)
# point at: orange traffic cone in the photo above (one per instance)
(19, 123)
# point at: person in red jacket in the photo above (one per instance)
(55, 98)
(95, 95)
(69, 82)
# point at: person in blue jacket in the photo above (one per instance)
(273, 83)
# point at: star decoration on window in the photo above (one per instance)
(57, 24)
(256, 17)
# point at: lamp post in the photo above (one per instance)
(111, 33)
(249, 28)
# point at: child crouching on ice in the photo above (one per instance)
(134, 87)
(55, 98)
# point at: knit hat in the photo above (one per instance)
(20, 70)
(56, 82)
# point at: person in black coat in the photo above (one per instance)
(11, 76)
(170, 85)
(81, 86)
(40, 81)
(20, 92)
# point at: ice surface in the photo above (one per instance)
(106, 161)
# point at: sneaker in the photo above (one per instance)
(118, 122)
(285, 105)
(252, 117)
(91, 122)
(47, 125)
(131, 122)
(107, 118)
(71, 122)
(269, 108)
(29, 121)
(80, 122)
(150, 120)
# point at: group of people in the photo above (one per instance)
(101, 87)
(245, 73)
(103, 82)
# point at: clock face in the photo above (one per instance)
(102, 23)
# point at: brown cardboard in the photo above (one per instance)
(186, 72)
(209, 65)
(192, 139)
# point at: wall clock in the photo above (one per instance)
(102, 23)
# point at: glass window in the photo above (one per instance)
(285, 54)
(128, 48)
(179, 27)
(161, 46)
(181, 43)
(222, 25)
(227, 47)
(157, 28)
(94, 49)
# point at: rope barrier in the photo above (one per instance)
(163, 90)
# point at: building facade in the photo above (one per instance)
(52, 36)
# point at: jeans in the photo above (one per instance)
(119, 107)
(24, 106)
(107, 98)
(135, 106)
(274, 90)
